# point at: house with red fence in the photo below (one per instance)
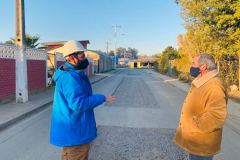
(98, 62)
(56, 47)
(36, 69)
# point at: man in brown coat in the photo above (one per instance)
(204, 111)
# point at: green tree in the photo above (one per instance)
(212, 27)
(31, 41)
(163, 59)
(10, 42)
(99, 51)
(158, 55)
(120, 52)
(111, 53)
(170, 53)
(217, 21)
(131, 53)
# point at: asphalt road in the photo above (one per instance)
(140, 125)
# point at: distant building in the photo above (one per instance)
(53, 47)
(143, 63)
(122, 61)
(142, 56)
(102, 61)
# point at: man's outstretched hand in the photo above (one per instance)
(110, 99)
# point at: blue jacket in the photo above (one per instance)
(73, 121)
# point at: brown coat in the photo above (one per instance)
(203, 114)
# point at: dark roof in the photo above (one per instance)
(144, 60)
(62, 42)
(102, 54)
(55, 48)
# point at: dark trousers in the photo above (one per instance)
(193, 157)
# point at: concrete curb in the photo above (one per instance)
(175, 87)
(24, 116)
(99, 80)
(36, 110)
(169, 84)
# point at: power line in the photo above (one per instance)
(113, 9)
(108, 12)
(97, 11)
(90, 11)
(97, 8)
(100, 12)
(96, 15)
(89, 5)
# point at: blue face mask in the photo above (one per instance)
(194, 71)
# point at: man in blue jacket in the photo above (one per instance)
(73, 124)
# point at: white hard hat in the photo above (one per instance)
(72, 46)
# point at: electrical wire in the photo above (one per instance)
(96, 10)
(97, 16)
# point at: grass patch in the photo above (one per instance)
(122, 67)
(51, 85)
(183, 77)
(107, 71)
(140, 68)
(235, 96)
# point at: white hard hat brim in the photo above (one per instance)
(81, 50)
(72, 47)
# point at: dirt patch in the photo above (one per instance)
(174, 76)
(235, 96)
(167, 74)
(30, 93)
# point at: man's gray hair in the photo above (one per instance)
(208, 60)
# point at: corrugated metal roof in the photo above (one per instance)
(144, 60)
(55, 48)
(62, 42)
(102, 54)
(126, 60)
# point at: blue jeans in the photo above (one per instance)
(193, 157)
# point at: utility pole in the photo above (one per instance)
(21, 62)
(107, 41)
(115, 44)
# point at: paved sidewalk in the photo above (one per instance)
(169, 80)
(12, 113)
(232, 107)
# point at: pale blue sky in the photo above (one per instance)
(149, 26)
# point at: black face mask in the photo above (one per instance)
(194, 71)
(82, 64)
